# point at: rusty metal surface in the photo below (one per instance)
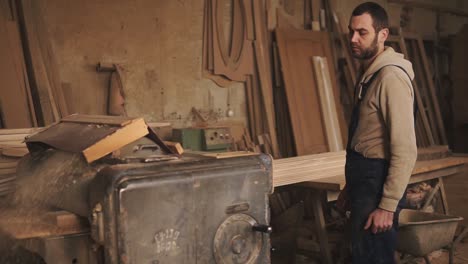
(421, 233)
(169, 212)
(235, 242)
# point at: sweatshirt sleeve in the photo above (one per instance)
(396, 103)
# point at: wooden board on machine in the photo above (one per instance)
(94, 136)
(297, 48)
(41, 224)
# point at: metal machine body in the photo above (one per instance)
(191, 210)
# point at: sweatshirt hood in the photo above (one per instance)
(389, 57)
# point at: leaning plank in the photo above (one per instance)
(13, 95)
(49, 58)
(264, 61)
(422, 111)
(435, 101)
(427, 105)
(344, 46)
(296, 48)
(35, 65)
(327, 102)
(16, 48)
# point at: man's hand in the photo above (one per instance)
(380, 220)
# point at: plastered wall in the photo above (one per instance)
(158, 43)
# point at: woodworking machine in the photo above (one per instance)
(146, 210)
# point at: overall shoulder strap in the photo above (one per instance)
(372, 78)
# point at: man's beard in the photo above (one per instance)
(369, 52)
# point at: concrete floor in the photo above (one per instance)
(441, 257)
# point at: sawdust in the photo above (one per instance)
(43, 183)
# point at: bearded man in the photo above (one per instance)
(381, 150)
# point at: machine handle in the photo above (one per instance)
(262, 228)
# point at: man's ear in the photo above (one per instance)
(383, 35)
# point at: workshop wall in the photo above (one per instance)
(159, 45)
(416, 19)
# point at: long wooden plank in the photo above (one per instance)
(14, 106)
(427, 108)
(36, 69)
(294, 170)
(344, 46)
(327, 103)
(311, 157)
(328, 170)
(264, 63)
(17, 49)
(49, 58)
(418, 96)
(306, 163)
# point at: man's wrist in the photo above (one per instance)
(385, 210)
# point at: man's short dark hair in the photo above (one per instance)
(377, 12)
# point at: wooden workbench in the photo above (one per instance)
(324, 174)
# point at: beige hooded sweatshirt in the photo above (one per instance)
(386, 123)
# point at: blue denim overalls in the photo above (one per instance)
(365, 178)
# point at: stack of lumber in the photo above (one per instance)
(12, 149)
(32, 92)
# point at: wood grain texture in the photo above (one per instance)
(264, 63)
(37, 70)
(327, 169)
(296, 48)
(14, 103)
